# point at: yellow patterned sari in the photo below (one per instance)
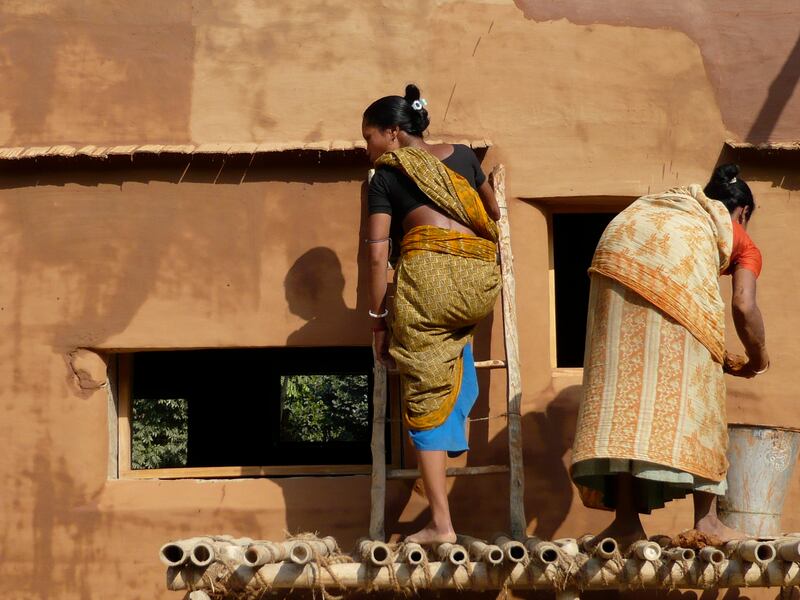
(446, 283)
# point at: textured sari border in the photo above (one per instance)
(439, 416)
(430, 238)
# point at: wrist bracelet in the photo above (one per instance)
(378, 316)
(762, 371)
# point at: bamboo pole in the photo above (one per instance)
(515, 551)
(569, 546)
(789, 550)
(518, 521)
(645, 550)
(679, 554)
(712, 555)
(544, 552)
(451, 472)
(593, 574)
(455, 554)
(481, 551)
(375, 552)
(752, 551)
(606, 549)
(412, 554)
(261, 553)
(378, 444)
(255, 554)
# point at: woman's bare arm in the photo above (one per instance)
(486, 193)
(748, 320)
(378, 244)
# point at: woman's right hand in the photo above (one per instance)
(742, 366)
(380, 341)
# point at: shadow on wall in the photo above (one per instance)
(314, 291)
(779, 167)
(314, 287)
(72, 534)
(725, 38)
(780, 91)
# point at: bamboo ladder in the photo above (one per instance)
(518, 522)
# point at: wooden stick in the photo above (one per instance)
(490, 364)
(377, 513)
(518, 521)
(451, 472)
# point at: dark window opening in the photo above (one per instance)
(575, 237)
(251, 407)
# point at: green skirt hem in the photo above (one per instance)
(655, 484)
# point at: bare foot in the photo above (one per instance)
(625, 531)
(432, 535)
(713, 527)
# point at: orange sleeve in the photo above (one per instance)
(745, 254)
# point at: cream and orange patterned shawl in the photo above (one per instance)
(670, 248)
(446, 282)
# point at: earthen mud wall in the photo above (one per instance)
(612, 101)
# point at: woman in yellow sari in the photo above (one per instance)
(447, 280)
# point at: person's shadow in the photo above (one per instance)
(314, 288)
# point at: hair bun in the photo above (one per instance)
(726, 173)
(412, 93)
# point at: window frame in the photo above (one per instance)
(120, 439)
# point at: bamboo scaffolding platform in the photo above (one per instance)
(225, 567)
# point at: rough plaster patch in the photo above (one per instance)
(89, 368)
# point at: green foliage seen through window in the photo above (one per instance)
(324, 408)
(160, 430)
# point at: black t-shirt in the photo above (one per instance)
(393, 193)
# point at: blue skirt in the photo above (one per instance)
(452, 434)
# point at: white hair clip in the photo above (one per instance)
(733, 180)
(419, 104)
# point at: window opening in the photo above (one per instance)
(575, 237)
